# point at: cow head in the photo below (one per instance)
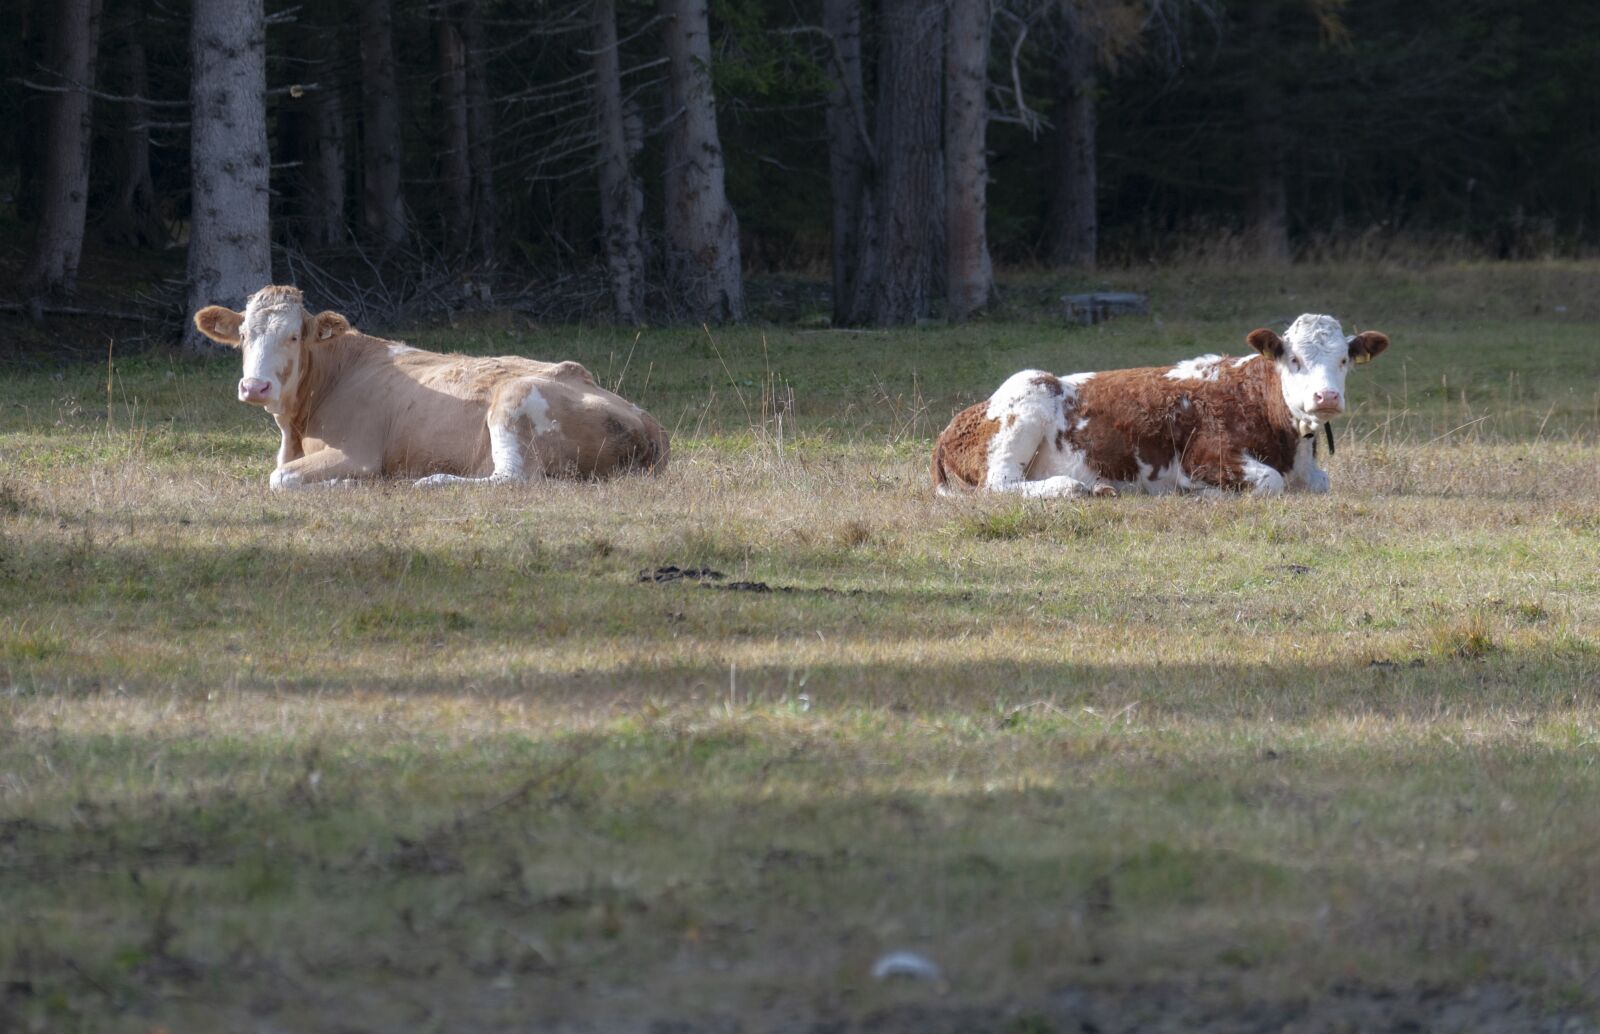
(274, 331)
(1313, 357)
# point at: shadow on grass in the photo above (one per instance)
(1518, 685)
(742, 863)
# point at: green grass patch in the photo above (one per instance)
(22, 646)
(1059, 523)
(394, 619)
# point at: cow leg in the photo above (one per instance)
(1260, 479)
(441, 480)
(514, 457)
(290, 447)
(1058, 487)
(321, 469)
(1316, 482)
(510, 462)
(1029, 407)
(1306, 476)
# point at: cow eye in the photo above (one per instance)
(1294, 362)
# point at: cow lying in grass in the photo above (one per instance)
(352, 406)
(1206, 424)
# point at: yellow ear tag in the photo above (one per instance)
(1363, 358)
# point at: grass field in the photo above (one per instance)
(377, 760)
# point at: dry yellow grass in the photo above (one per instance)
(379, 759)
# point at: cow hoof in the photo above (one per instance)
(1105, 491)
(437, 481)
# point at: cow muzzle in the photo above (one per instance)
(1327, 403)
(255, 391)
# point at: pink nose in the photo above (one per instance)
(1326, 400)
(253, 389)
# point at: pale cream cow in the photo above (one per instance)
(352, 406)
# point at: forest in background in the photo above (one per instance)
(630, 161)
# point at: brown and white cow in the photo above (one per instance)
(352, 406)
(1207, 424)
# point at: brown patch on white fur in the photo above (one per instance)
(1129, 417)
(1213, 422)
(962, 451)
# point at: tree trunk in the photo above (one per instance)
(455, 172)
(383, 206)
(968, 271)
(905, 263)
(1074, 220)
(480, 127)
(702, 230)
(848, 157)
(289, 137)
(327, 172)
(1267, 226)
(322, 142)
(133, 218)
(621, 203)
(28, 130)
(230, 253)
(64, 184)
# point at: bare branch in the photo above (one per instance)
(74, 87)
(72, 310)
(1025, 116)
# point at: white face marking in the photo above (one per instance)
(1200, 368)
(1316, 357)
(270, 339)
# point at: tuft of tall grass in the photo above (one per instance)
(25, 645)
(1466, 638)
(13, 498)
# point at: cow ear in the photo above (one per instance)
(1367, 344)
(1265, 342)
(325, 326)
(219, 324)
